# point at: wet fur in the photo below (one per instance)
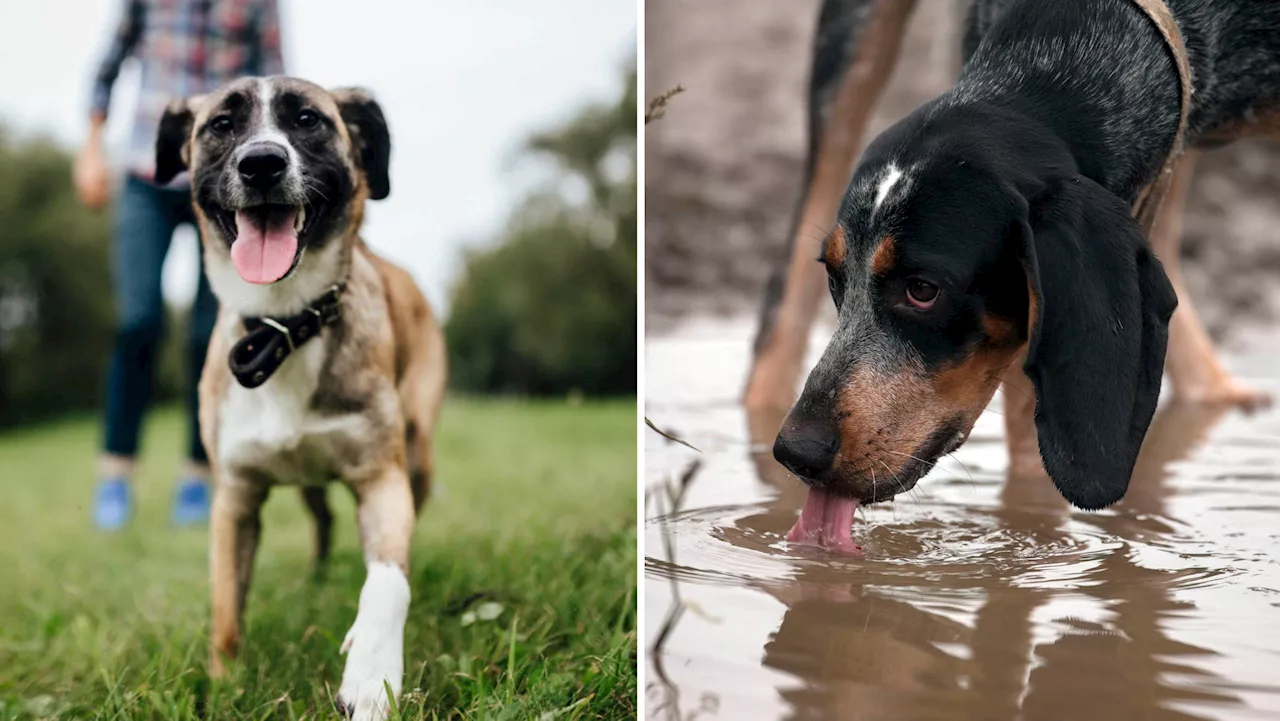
(1015, 189)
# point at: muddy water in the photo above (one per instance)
(978, 597)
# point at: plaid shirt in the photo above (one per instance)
(186, 47)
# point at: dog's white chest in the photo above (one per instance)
(274, 428)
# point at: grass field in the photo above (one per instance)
(532, 519)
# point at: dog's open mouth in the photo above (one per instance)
(827, 516)
(264, 240)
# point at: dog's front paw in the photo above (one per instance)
(375, 646)
(363, 704)
(371, 668)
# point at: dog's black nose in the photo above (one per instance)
(263, 165)
(806, 448)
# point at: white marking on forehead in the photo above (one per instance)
(890, 179)
(267, 130)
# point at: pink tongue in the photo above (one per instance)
(264, 248)
(827, 521)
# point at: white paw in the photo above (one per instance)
(375, 646)
(365, 698)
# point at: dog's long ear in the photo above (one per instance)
(173, 142)
(370, 139)
(1100, 311)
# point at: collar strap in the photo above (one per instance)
(269, 341)
(1144, 211)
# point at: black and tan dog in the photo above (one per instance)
(988, 238)
(326, 362)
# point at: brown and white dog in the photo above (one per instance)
(326, 361)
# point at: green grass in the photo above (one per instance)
(533, 509)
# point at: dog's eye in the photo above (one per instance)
(222, 124)
(921, 294)
(308, 119)
(836, 288)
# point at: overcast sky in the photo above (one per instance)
(462, 84)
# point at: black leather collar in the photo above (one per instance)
(270, 340)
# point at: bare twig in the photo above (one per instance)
(658, 106)
(670, 437)
(675, 499)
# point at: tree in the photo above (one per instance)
(55, 296)
(550, 307)
(57, 313)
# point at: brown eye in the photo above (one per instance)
(307, 119)
(222, 124)
(921, 295)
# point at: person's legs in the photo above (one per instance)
(191, 502)
(204, 313)
(144, 227)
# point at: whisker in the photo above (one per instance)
(1002, 386)
(993, 411)
(952, 456)
(310, 183)
(898, 481)
(821, 229)
(895, 475)
(935, 463)
(930, 464)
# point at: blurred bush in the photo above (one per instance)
(56, 307)
(550, 306)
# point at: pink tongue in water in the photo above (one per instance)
(827, 521)
(265, 245)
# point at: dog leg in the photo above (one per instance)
(853, 61)
(318, 504)
(1197, 373)
(418, 451)
(234, 529)
(420, 469)
(375, 643)
(1020, 422)
(421, 396)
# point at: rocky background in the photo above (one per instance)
(723, 167)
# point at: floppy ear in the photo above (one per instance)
(1100, 311)
(173, 142)
(369, 137)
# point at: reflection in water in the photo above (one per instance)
(983, 597)
(865, 654)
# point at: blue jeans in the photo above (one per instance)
(146, 217)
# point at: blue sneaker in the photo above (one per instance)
(191, 503)
(112, 504)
